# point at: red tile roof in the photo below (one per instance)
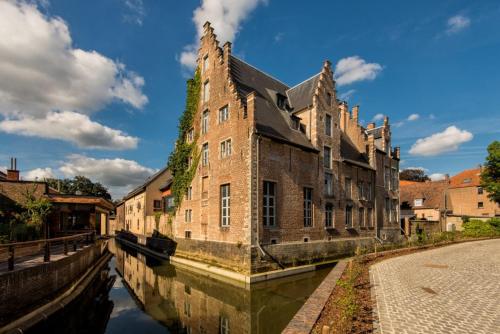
(432, 193)
(467, 178)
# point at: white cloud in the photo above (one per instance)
(398, 124)
(119, 175)
(447, 141)
(136, 11)
(39, 174)
(378, 117)
(72, 127)
(432, 116)
(278, 37)
(43, 73)
(437, 177)
(456, 24)
(347, 95)
(413, 117)
(352, 69)
(417, 168)
(225, 17)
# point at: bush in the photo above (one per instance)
(478, 228)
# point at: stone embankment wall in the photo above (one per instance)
(22, 290)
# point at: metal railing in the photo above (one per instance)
(28, 249)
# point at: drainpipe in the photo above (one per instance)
(257, 195)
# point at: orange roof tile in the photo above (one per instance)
(467, 178)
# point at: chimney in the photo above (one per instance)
(386, 120)
(344, 114)
(227, 51)
(12, 172)
(370, 126)
(355, 113)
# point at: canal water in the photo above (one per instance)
(152, 296)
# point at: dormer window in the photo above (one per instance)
(467, 181)
(418, 202)
(281, 101)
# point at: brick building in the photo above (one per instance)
(285, 172)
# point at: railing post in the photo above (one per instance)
(11, 257)
(65, 247)
(46, 256)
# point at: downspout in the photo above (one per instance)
(257, 158)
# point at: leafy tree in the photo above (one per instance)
(490, 174)
(79, 185)
(37, 208)
(417, 175)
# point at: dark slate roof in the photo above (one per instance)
(148, 181)
(377, 132)
(167, 183)
(350, 153)
(271, 121)
(300, 96)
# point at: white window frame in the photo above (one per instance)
(205, 120)
(269, 203)
(188, 214)
(190, 136)
(224, 114)
(206, 63)
(206, 91)
(329, 215)
(189, 193)
(329, 185)
(348, 187)
(224, 325)
(308, 206)
(418, 202)
(225, 205)
(225, 148)
(348, 222)
(205, 154)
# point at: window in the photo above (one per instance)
(387, 178)
(328, 125)
(205, 63)
(348, 187)
(204, 187)
(328, 184)
(225, 148)
(204, 121)
(394, 179)
(329, 99)
(168, 203)
(269, 204)
(327, 157)
(190, 136)
(394, 210)
(348, 216)
(206, 91)
(387, 210)
(362, 217)
(223, 114)
(187, 215)
(156, 205)
(204, 154)
(480, 205)
(467, 181)
(281, 100)
(189, 193)
(308, 207)
(225, 204)
(479, 190)
(224, 325)
(361, 191)
(329, 215)
(418, 202)
(368, 192)
(369, 217)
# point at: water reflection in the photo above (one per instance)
(151, 296)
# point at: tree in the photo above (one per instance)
(37, 209)
(413, 174)
(490, 174)
(79, 185)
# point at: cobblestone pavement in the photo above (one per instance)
(453, 289)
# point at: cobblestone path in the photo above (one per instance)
(452, 289)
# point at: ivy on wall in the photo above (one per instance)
(178, 162)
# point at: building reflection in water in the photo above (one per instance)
(187, 302)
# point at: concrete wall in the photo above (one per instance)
(21, 290)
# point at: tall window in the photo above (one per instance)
(361, 191)
(189, 193)
(225, 148)
(204, 154)
(206, 91)
(348, 185)
(190, 136)
(329, 215)
(224, 325)
(348, 216)
(204, 122)
(369, 191)
(223, 114)
(327, 157)
(204, 187)
(156, 205)
(329, 99)
(479, 190)
(187, 215)
(387, 210)
(394, 179)
(387, 178)
(328, 184)
(308, 206)
(362, 217)
(205, 63)
(369, 216)
(269, 203)
(225, 205)
(328, 125)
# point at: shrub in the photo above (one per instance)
(478, 228)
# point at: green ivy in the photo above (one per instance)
(178, 162)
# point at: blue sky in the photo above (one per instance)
(83, 68)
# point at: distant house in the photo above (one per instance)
(3, 176)
(144, 207)
(423, 204)
(468, 198)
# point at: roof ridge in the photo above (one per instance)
(300, 83)
(255, 68)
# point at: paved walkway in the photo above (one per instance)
(453, 289)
